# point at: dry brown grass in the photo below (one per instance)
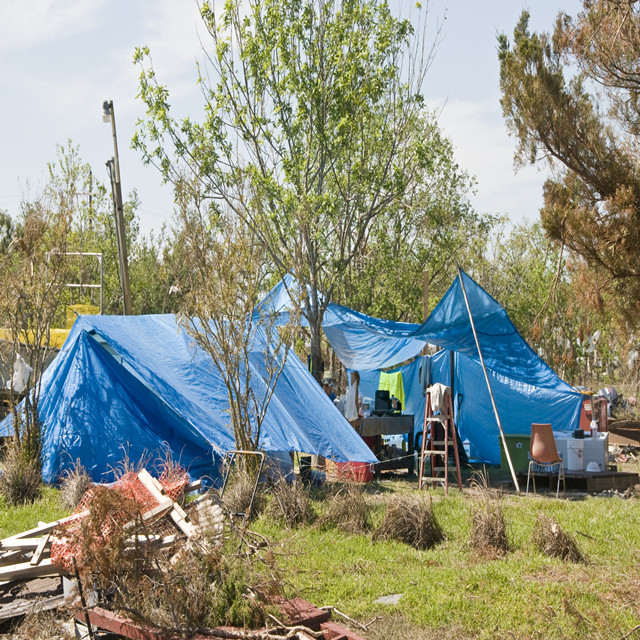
(46, 625)
(237, 494)
(348, 510)
(550, 539)
(291, 503)
(398, 627)
(74, 485)
(488, 528)
(20, 482)
(411, 520)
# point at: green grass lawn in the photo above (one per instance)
(451, 592)
(16, 519)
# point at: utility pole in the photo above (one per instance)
(113, 166)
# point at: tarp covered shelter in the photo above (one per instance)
(139, 384)
(525, 388)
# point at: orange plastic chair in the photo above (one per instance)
(543, 452)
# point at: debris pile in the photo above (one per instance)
(135, 558)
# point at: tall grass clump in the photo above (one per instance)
(20, 479)
(74, 484)
(550, 539)
(347, 510)
(488, 528)
(291, 503)
(411, 520)
(238, 492)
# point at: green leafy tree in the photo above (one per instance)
(312, 113)
(431, 227)
(32, 279)
(93, 231)
(571, 98)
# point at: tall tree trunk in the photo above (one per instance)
(315, 330)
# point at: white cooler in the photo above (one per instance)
(578, 453)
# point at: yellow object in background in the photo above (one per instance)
(393, 383)
(75, 310)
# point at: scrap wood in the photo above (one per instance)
(25, 570)
(45, 542)
(41, 529)
(114, 623)
(164, 506)
(305, 616)
(39, 594)
(177, 513)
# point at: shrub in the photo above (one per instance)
(411, 520)
(20, 481)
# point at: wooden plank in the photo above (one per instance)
(11, 557)
(152, 513)
(43, 528)
(24, 571)
(177, 513)
(24, 544)
(37, 554)
(158, 541)
(193, 486)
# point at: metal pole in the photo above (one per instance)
(119, 213)
(101, 284)
(486, 377)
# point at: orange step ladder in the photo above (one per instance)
(438, 434)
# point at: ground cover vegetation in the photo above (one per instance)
(449, 590)
(445, 590)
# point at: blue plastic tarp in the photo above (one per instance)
(364, 343)
(518, 404)
(140, 384)
(525, 388)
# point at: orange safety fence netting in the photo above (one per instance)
(67, 539)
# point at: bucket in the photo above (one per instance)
(575, 455)
(355, 471)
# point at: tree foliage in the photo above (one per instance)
(311, 130)
(432, 227)
(222, 280)
(32, 279)
(572, 97)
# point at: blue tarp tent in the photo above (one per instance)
(138, 384)
(526, 389)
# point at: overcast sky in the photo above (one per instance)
(61, 58)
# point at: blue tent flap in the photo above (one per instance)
(140, 384)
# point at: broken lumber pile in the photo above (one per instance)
(47, 551)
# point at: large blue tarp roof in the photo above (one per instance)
(139, 384)
(526, 389)
(364, 343)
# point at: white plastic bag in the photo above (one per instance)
(20, 377)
